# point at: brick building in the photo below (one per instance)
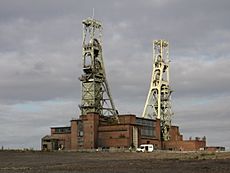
(92, 131)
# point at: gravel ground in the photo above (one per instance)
(106, 162)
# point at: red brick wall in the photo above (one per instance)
(187, 145)
(214, 148)
(74, 134)
(127, 119)
(176, 142)
(114, 142)
(158, 129)
(200, 144)
(64, 139)
(90, 128)
(52, 131)
(175, 134)
(115, 136)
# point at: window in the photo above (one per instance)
(80, 133)
(63, 130)
(148, 127)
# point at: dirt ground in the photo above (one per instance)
(106, 162)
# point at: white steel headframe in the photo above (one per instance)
(158, 104)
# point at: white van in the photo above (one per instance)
(145, 148)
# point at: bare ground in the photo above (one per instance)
(106, 162)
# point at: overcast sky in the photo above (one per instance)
(40, 62)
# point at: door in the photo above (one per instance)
(135, 137)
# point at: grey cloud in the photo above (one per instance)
(40, 49)
(201, 77)
(37, 65)
(23, 125)
(207, 116)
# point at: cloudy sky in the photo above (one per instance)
(40, 62)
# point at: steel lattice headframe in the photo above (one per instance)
(158, 104)
(96, 96)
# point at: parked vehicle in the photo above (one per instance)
(145, 148)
